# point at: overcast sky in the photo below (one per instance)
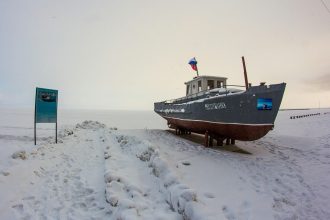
(127, 54)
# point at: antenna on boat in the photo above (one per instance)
(245, 74)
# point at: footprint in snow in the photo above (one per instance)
(209, 195)
(19, 208)
(228, 213)
(29, 198)
(186, 163)
(5, 173)
(244, 210)
(106, 155)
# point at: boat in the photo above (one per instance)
(222, 111)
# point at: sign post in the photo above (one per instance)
(45, 110)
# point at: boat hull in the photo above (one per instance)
(243, 132)
(237, 116)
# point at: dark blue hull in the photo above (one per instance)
(246, 116)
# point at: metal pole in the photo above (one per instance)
(35, 114)
(56, 118)
(245, 74)
(35, 132)
(56, 132)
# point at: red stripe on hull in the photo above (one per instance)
(241, 132)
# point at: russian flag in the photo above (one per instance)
(193, 63)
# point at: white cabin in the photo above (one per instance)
(204, 83)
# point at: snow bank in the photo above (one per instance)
(19, 154)
(123, 194)
(90, 125)
(179, 197)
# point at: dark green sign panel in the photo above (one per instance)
(45, 110)
(46, 105)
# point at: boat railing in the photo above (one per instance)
(235, 86)
(202, 93)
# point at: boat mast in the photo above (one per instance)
(245, 74)
(196, 68)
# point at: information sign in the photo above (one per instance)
(45, 108)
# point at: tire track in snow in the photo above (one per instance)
(139, 185)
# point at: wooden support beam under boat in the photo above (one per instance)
(206, 139)
(210, 141)
(219, 142)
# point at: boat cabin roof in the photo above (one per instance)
(204, 83)
(206, 78)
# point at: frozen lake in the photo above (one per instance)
(21, 120)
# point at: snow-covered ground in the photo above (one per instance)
(125, 165)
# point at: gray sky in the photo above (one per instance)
(127, 54)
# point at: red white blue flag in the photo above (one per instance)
(193, 63)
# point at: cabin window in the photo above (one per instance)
(187, 92)
(210, 84)
(219, 84)
(199, 85)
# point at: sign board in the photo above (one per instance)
(46, 105)
(45, 108)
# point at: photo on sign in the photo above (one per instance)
(264, 104)
(47, 96)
